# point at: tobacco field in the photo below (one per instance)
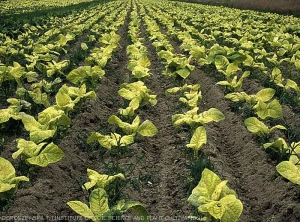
(148, 110)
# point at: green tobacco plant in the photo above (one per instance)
(215, 200)
(139, 71)
(67, 97)
(13, 110)
(98, 180)
(110, 38)
(290, 84)
(198, 139)
(193, 119)
(36, 61)
(263, 95)
(276, 77)
(258, 102)
(50, 87)
(259, 128)
(272, 109)
(139, 67)
(191, 97)
(84, 46)
(36, 93)
(46, 125)
(44, 86)
(100, 56)
(291, 169)
(177, 65)
(139, 62)
(128, 112)
(11, 73)
(278, 146)
(146, 128)
(87, 75)
(61, 40)
(233, 84)
(41, 154)
(99, 210)
(161, 44)
(188, 43)
(199, 54)
(8, 180)
(137, 93)
(184, 88)
(112, 140)
(52, 68)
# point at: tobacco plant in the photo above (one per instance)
(259, 128)
(8, 179)
(99, 209)
(46, 125)
(11, 73)
(198, 139)
(14, 110)
(67, 97)
(191, 98)
(289, 169)
(147, 128)
(215, 200)
(98, 180)
(176, 64)
(137, 93)
(193, 119)
(111, 140)
(87, 75)
(233, 84)
(259, 102)
(41, 154)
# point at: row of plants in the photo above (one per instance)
(223, 206)
(138, 61)
(177, 65)
(129, 126)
